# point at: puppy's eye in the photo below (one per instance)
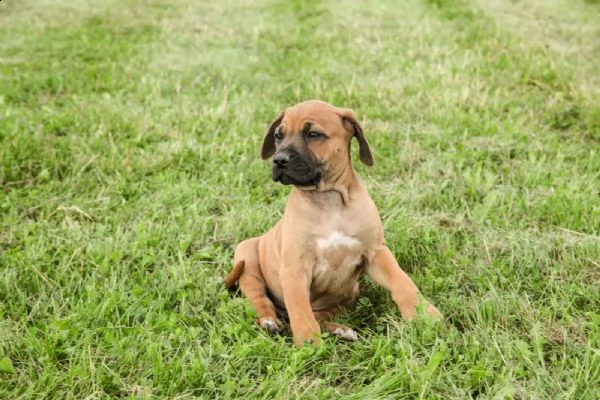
(278, 136)
(312, 135)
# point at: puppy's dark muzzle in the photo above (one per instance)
(290, 168)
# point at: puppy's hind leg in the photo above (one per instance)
(246, 272)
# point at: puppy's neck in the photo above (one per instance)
(339, 186)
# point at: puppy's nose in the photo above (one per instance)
(281, 159)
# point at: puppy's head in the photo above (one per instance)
(310, 143)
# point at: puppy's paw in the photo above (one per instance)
(434, 312)
(271, 325)
(419, 306)
(428, 312)
(343, 332)
(307, 335)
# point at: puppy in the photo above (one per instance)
(307, 266)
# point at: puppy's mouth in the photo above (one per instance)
(288, 179)
(297, 172)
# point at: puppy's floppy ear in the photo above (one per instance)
(268, 146)
(349, 120)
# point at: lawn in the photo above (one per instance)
(130, 134)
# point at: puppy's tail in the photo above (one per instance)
(232, 277)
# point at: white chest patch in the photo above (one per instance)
(337, 239)
(335, 251)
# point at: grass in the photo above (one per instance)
(129, 169)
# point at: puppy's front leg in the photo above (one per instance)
(295, 283)
(385, 271)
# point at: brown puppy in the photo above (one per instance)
(308, 264)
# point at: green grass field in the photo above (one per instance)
(130, 134)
